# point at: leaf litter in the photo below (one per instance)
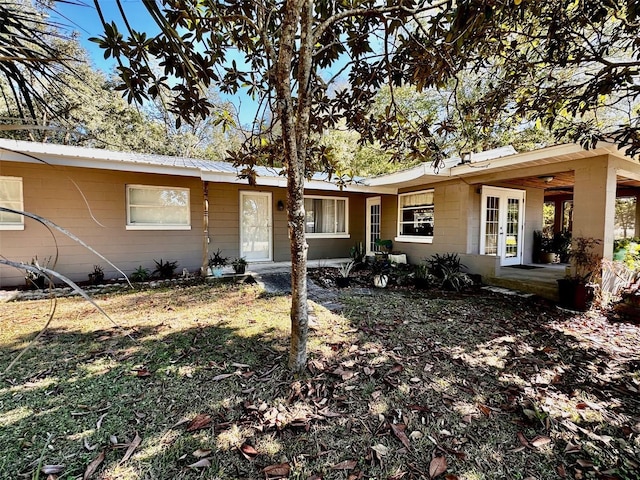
(400, 386)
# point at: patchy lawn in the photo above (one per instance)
(402, 385)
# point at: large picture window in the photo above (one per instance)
(158, 208)
(415, 215)
(326, 216)
(11, 197)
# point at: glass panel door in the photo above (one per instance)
(374, 217)
(502, 224)
(255, 226)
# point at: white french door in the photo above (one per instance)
(502, 224)
(374, 218)
(256, 226)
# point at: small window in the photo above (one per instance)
(11, 197)
(415, 215)
(326, 216)
(158, 208)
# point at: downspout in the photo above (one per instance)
(205, 225)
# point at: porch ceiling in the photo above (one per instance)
(561, 183)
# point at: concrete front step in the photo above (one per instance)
(544, 290)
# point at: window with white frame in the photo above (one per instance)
(158, 208)
(415, 215)
(326, 216)
(11, 197)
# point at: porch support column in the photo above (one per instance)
(594, 203)
(205, 225)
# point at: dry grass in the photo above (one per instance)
(497, 387)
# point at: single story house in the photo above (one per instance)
(136, 208)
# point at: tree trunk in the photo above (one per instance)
(295, 128)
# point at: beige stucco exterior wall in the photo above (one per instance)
(224, 226)
(51, 193)
(56, 193)
(457, 213)
(453, 209)
(594, 199)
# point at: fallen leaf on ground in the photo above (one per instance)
(437, 466)
(200, 453)
(99, 422)
(202, 463)
(202, 420)
(87, 446)
(280, 470)
(380, 449)
(93, 466)
(540, 441)
(398, 431)
(346, 465)
(132, 446)
(222, 376)
(450, 476)
(240, 365)
(52, 469)
(248, 451)
(571, 448)
(396, 368)
(484, 409)
(522, 439)
(142, 372)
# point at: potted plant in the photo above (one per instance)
(97, 276)
(422, 277)
(38, 280)
(543, 248)
(387, 245)
(380, 270)
(562, 246)
(344, 270)
(239, 265)
(575, 291)
(358, 253)
(217, 263)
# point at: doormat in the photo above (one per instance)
(524, 267)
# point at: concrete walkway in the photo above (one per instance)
(275, 278)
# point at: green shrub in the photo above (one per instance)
(140, 274)
(165, 269)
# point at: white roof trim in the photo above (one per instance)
(426, 173)
(518, 158)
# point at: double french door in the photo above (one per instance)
(502, 224)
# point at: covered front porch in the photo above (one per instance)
(570, 193)
(533, 278)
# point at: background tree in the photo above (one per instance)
(626, 215)
(572, 65)
(33, 55)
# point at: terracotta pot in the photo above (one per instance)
(380, 281)
(574, 295)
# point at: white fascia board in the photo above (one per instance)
(281, 182)
(512, 160)
(422, 171)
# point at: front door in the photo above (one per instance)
(373, 224)
(256, 226)
(502, 224)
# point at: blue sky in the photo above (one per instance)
(81, 17)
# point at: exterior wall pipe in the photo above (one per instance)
(205, 227)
